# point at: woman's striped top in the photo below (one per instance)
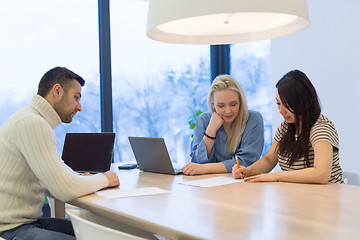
(323, 130)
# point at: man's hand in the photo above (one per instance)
(112, 178)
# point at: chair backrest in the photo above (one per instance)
(87, 227)
(351, 178)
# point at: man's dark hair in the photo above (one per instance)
(60, 75)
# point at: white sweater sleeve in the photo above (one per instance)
(37, 142)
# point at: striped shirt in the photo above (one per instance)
(323, 130)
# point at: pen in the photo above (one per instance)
(237, 162)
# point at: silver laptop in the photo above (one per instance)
(89, 152)
(152, 155)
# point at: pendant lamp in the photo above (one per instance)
(224, 21)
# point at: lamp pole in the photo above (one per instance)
(219, 60)
(105, 66)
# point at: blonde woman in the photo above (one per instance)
(229, 129)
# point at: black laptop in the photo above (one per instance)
(152, 156)
(89, 152)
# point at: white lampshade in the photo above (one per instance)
(224, 21)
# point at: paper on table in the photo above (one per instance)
(212, 182)
(120, 193)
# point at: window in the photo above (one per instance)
(42, 35)
(158, 86)
(154, 83)
(250, 66)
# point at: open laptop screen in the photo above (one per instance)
(152, 156)
(89, 152)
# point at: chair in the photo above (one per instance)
(351, 178)
(89, 226)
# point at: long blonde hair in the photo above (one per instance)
(224, 82)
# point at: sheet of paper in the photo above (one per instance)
(212, 182)
(121, 193)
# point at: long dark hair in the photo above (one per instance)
(299, 96)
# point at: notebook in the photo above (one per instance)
(152, 155)
(89, 152)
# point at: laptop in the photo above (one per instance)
(89, 152)
(152, 155)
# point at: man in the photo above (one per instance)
(30, 162)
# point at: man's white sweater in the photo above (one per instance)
(30, 165)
